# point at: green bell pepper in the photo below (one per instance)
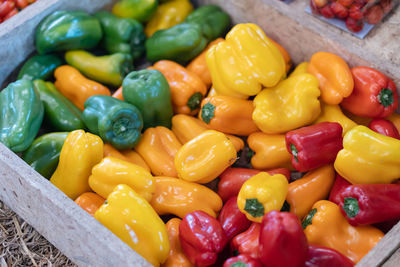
(148, 90)
(39, 67)
(179, 43)
(115, 121)
(66, 30)
(110, 69)
(59, 111)
(43, 154)
(122, 35)
(140, 10)
(21, 113)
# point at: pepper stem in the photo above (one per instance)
(207, 112)
(350, 206)
(239, 264)
(195, 101)
(385, 97)
(308, 220)
(254, 207)
(294, 151)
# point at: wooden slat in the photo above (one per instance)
(394, 260)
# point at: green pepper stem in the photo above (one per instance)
(207, 112)
(294, 151)
(385, 97)
(308, 220)
(194, 101)
(254, 207)
(350, 206)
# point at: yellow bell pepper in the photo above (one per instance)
(368, 157)
(291, 104)
(131, 218)
(300, 69)
(205, 157)
(178, 197)
(111, 172)
(167, 15)
(261, 194)
(127, 155)
(333, 113)
(245, 62)
(80, 152)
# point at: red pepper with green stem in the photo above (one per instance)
(339, 184)
(319, 256)
(242, 261)
(247, 242)
(384, 127)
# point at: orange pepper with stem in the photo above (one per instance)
(127, 155)
(90, 202)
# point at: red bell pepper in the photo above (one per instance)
(282, 240)
(370, 203)
(314, 146)
(6, 7)
(202, 238)
(374, 95)
(326, 257)
(339, 184)
(232, 179)
(384, 127)
(242, 261)
(247, 242)
(232, 220)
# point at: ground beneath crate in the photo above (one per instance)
(21, 245)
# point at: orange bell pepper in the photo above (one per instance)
(127, 155)
(334, 76)
(76, 87)
(118, 94)
(176, 256)
(90, 202)
(285, 55)
(395, 118)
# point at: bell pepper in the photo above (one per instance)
(245, 62)
(118, 94)
(148, 90)
(176, 256)
(60, 113)
(326, 226)
(242, 261)
(168, 14)
(339, 184)
(131, 218)
(21, 113)
(180, 43)
(318, 256)
(202, 238)
(300, 69)
(334, 76)
(384, 127)
(178, 197)
(90, 202)
(82, 151)
(76, 87)
(212, 149)
(333, 113)
(109, 69)
(67, 30)
(228, 114)
(374, 94)
(370, 203)
(115, 121)
(314, 146)
(261, 194)
(110, 172)
(269, 151)
(127, 155)
(140, 10)
(395, 119)
(247, 243)
(232, 179)
(44, 152)
(285, 55)
(39, 67)
(368, 157)
(291, 104)
(282, 240)
(187, 89)
(158, 147)
(314, 186)
(121, 35)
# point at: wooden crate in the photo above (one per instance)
(78, 235)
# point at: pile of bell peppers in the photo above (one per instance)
(219, 153)
(9, 8)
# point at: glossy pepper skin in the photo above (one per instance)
(314, 146)
(261, 194)
(370, 203)
(202, 238)
(212, 149)
(83, 151)
(339, 184)
(228, 114)
(21, 113)
(90, 202)
(76, 87)
(178, 197)
(187, 89)
(374, 94)
(121, 35)
(109, 69)
(39, 67)
(384, 127)
(334, 76)
(59, 111)
(245, 62)
(368, 157)
(44, 152)
(125, 212)
(243, 261)
(326, 226)
(176, 256)
(395, 119)
(140, 10)
(319, 256)
(300, 69)
(282, 240)
(333, 113)
(115, 121)
(247, 243)
(67, 30)
(291, 104)
(127, 155)
(148, 90)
